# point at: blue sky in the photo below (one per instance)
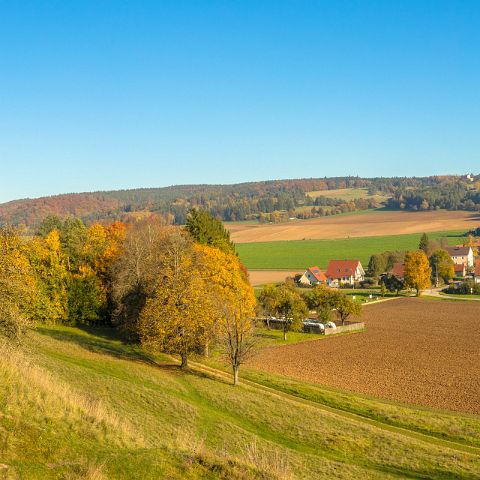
(120, 94)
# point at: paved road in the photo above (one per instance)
(435, 292)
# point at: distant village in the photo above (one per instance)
(351, 273)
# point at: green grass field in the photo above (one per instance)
(300, 254)
(79, 404)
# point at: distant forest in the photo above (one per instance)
(266, 201)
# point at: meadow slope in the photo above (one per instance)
(80, 405)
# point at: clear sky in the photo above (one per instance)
(119, 94)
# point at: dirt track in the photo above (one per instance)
(417, 351)
(364, 225)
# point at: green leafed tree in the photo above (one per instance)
(291, 307)
(207, 230)
(442, 266)
(424, 244)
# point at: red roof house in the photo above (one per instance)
(398, 270)
(313, 276)
(345, 272)
(460, 270)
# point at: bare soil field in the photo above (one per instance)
(260, 277)
(423, 352)
(345, 226)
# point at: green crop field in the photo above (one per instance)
(304, 253)
(77, 404)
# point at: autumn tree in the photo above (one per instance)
(235, 303)
(49, 264)
(179, 315)
(442, 266)
(17, 285)
(417, 271)
(136, 272)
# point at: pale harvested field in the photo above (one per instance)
(424, 352)
(260, 277)
(360, 225)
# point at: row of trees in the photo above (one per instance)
(292, 307)
(175, 290)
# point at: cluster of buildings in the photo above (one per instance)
(339, 272)
(350, 272)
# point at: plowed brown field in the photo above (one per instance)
(424, 352)
(360, 225)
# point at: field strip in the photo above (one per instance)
(343, 413)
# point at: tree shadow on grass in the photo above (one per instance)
(107, 341)
(102, 340)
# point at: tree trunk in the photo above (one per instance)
(284, 334)
(207, 349)
(235, 375)
(184, 363)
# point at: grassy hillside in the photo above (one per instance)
(82, 405)
(303, 253)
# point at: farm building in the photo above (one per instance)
(344, 272)
(461, 255)
(477, 270)
(398, 270)
(313, 276)
(460, 270)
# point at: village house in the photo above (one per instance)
(460, 270)
(313, 276)
(398, 270)
(477, 271)
(344, 272)
(461, 255)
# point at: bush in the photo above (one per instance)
(464, 289)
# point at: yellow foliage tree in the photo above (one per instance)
(417, 271)
(49, 263)
(235, 302)
(17, 285)
(180, 314)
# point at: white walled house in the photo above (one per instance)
(345, 272)
(461, 255)
(313, 276)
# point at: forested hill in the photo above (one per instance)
(266, 200)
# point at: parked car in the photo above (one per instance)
(331, 325)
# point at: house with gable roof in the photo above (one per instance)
(461, 255)
(344, 272)
(313, 276)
